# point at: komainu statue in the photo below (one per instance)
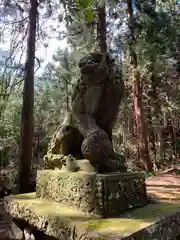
(86, 132)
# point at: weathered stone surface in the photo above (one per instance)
(152, 222)
(86, 131)
(102, 194)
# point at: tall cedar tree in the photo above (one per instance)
(101, 29)
(27, 119)
(137, 97)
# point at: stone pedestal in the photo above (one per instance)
(61, 205)
(104, 195)
(158, 221)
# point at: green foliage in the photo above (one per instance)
(148, 174)
(52, 92)
(90, 16)
(84, 4)
(86, 7)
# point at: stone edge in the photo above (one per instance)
(98, 175)
(47, 225)
(166, 228)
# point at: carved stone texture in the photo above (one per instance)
(153, 221)
(86, 131)
(99, 194)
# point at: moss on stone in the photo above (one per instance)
(135, 219)
(105, 195)
(58, 217)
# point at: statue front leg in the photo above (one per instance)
(96, 146)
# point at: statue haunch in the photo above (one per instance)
(86, 131)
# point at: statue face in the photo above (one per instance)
(90, 59)
(94, 64)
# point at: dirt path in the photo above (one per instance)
(165, 186)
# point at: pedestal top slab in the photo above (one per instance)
(153, 221)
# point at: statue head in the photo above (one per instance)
(96, 63)
(100, 67)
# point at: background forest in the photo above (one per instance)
(144, 38)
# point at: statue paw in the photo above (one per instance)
(96, 147)
(69, 164)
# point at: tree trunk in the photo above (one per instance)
(171, 131)
(101, 29)
(67, 79)
(137, 97)
(152, 135)
(27, 119)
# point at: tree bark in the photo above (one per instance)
(101, 29)
(66, 79)
(152, 135)
(27, 119)
(137, 98)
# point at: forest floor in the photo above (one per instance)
(164, 187)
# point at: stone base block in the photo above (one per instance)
(160, 221)
(104, 195)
